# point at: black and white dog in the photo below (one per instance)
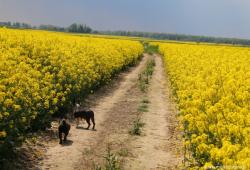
(87, 115)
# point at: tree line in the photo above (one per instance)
(76, 28)
(83, 28)
(178, 37)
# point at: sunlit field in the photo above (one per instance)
(212, 88)
(42, 73)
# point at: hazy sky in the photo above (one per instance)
(226, 18)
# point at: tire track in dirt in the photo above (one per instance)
(70, 155)
(158, 147)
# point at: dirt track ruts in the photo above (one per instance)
(115, 108)
(69, 156)
(159, 146)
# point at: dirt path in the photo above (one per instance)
(69, 156)
(158, 147)
(116, 107)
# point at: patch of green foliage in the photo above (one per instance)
(146, 75)
(143, 107)
(112, 161)
(150, 49)
(136, 129)
(123, 152)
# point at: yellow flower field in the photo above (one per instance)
(41, 72)
(212, 86)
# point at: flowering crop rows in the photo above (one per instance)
(41, 72)
(212, 86)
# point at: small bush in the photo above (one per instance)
(143, 107)
(112, 161)
(123, 152)
(97, 167)
(136, 129)
(145, 100)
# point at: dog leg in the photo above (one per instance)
(60, 138)
(77, 122)
(88, 121)
(65, 137)
(93, 121)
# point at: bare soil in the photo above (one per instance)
(160, 146)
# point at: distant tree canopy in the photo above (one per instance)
(15, 25)
(79, 28)
(178, 37)
(82, 28)
(76, 28)
(51, 28)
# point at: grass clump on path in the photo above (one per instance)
(112, 161)
(146, 75)
(136, 129)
